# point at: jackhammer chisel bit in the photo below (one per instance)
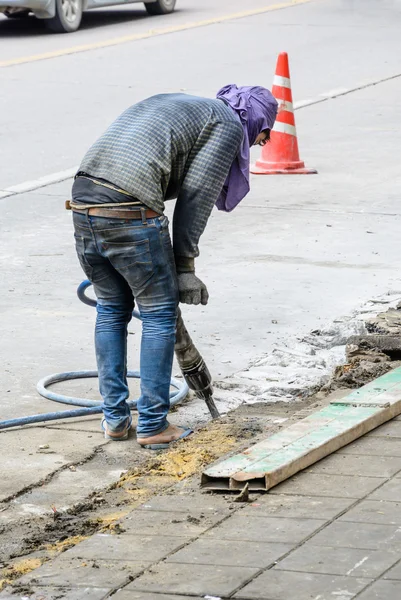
(193, 367)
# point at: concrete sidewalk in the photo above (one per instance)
(333, 531)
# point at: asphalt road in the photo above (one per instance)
(54, 107)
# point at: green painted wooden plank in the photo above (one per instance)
(345, 419)
(353, 413)
(376, 387)
(330, 416)
(315, 439)
(275, 442)
(389, 397)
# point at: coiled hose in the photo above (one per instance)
(92, 407)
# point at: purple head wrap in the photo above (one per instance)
(257, 109)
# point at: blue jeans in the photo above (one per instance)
(130, 261)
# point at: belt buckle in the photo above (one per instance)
(143, 216)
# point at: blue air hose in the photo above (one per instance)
(92, 407)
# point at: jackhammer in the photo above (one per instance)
(193, 367)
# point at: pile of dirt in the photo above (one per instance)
(184, 460)
(19, 569)
(372, 355)
(357, 373)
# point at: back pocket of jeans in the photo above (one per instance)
(80, 248)
(132, 259)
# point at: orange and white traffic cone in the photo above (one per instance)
(280, 156)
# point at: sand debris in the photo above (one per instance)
(16, 570)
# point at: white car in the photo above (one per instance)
(64, 16)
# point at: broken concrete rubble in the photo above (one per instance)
(388, 322)
(372, 354)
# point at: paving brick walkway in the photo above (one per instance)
(331, 532)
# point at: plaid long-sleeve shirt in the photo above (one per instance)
(170, 146)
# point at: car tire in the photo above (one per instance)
(68, 16)
(161, 7)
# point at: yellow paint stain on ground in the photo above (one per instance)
(9, 574)
(149, 34)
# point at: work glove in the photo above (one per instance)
(192, 290)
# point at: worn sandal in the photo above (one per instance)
(116, 436)
(185, 433)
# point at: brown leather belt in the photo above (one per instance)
(116, 213)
